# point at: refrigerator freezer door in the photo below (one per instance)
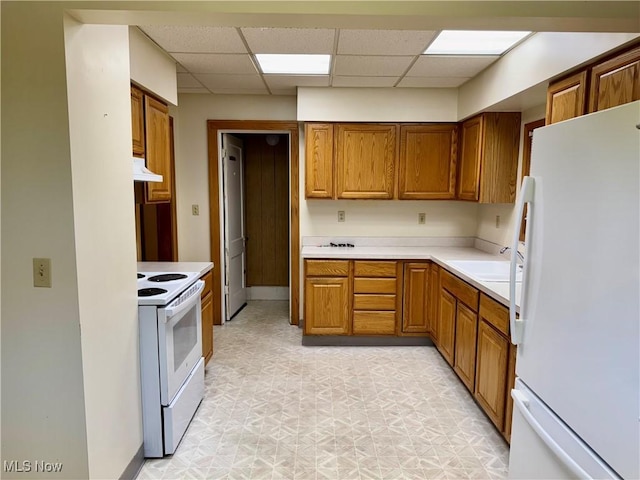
(580, 348)
(542, 447)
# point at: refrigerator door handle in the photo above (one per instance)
(521, 402)
(515, 324)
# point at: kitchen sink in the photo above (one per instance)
(487, 270)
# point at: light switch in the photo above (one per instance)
(422, 218)
(42, 272)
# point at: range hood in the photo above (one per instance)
(142, 173)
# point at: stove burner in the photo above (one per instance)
(150, 292)
(167, 277)
(140, 276)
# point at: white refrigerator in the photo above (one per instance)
(577, 394)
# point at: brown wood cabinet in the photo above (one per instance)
(326, 297)
(427, 162)
(465, 344)
(319, 163)
(487, 171)
(137, 121)
(511, 381)
(567, 98)
(206, 297)
(375, 294)
(434, 301)
(415, 315)
(447, 326)
(366, 160)
(158, 149)
(615, 81)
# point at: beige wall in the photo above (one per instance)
(100, 132)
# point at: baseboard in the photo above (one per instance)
(136, 463)
(364, 341)
(268, 293)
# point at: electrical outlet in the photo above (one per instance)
(195, 209)
(497, 221)
(341, 216)
(422, 218)
(42, 272)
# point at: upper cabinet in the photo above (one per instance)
(319, 160)
(365, 160)
(158, 149)
(137, 121)
(427, 162)
(487, 171)
(616, 81)
(567, 98)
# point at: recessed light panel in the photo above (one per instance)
(469, 42)
(294, 64)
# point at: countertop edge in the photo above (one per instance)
(201, 267)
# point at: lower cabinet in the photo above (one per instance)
(415, 315)
(206, 298)
(511, 382)
(447, 326)
(326, 306)
(465, 351)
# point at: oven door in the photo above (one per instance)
(179, 340)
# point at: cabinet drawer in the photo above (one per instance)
(374, 269)
(461, 290)
(374, 302)
(374, 323)
(208, 281)
(327, 268)
(374, 285)
(495, 313)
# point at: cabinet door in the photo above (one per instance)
(415, 298)
(615, 82)
(326, 306)
(567, 98)
(137, 122)
(491, 372)
(365, 160)
(470, 155)
(158, 148)
(434, 301)
(318, 160)
(465, 357)
(427, 164)
(207, 327)
(511, 381)
(447, 325)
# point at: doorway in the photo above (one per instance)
(255, 132)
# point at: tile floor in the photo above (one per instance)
(274, 409)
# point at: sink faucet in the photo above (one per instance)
(520, 255)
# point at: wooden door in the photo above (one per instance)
(491, 372)
(416, 298)
(567, 98)
(616, 81)
(326, 306)
(511, 381)
(319, 165)
(137, 121)
(158, 149)
(365, 160)
(427, 162)
(465, 346)
(472, 133)
(434, 301)
(447, 325)
(207, 327)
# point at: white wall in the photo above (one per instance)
(152, 68)
(97, 59)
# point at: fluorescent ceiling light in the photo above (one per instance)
(461, 42)
(294, 64)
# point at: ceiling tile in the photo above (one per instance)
(289, 40)
(340, 81)
(180, 68)
(284, 91)
(200, 39)
(371, 66)
(384, 42)
(186, 80)
(216, 63)
(432, 82)
(241, 91)
(288, 81)
(450, 66)
(193, 90)
(217, 83)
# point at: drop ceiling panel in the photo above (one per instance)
(289, 40)
(216, 83)
(383, 66)
(287, 81)
(241, 91)
(180, 68)
(200, 39)
(340, 81)
(450, 66)
(216, 63)
(186, 80)
(291, 91)
(193, 90)
(384, 42)
(432, 82)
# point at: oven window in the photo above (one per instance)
(185, 337)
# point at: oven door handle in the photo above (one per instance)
(172, 311)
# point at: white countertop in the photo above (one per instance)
(440, 255)
(201, 267)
